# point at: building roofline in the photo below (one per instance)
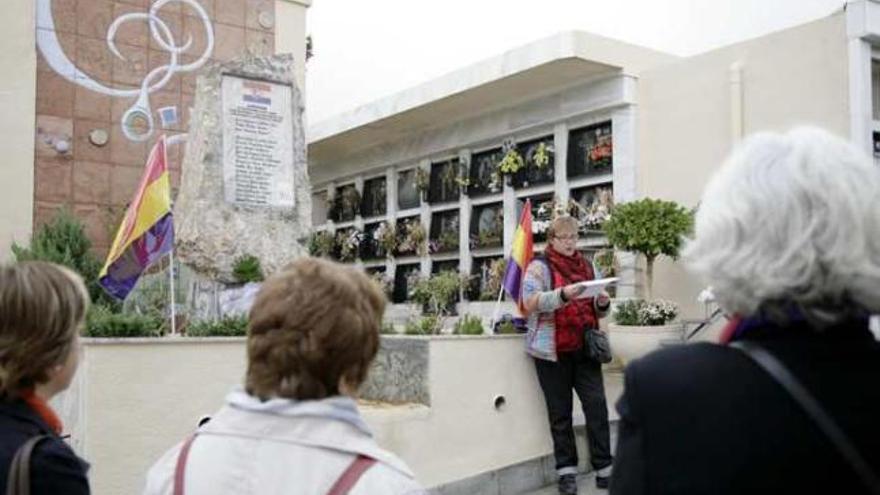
(616, 55)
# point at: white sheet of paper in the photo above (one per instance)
(595, 287)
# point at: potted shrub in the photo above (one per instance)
(650, 228)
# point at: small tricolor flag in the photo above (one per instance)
(520, 255)
(147, 231)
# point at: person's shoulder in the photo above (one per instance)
(58, 468)
(538, 264)
(683, 366)
(55, 450)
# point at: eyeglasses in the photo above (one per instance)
(567, 237)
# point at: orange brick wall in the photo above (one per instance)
(96, 182)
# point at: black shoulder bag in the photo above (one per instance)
(18, 480)
(596, 344)
(784, 377)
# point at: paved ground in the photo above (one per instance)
(586, 486)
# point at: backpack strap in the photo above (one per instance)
(18, 480)
(180, 467)
(351, 475)
(835, 434)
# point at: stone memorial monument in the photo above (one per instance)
(244, 188)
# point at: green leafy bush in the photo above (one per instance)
(247, 268)
(437, 293)
(506, 328)
(650, 227)
(101, 321)
(227, 326)
(427, 325)
(469, 325)
(387, 328)
(63, 240)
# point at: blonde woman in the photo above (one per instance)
(557, 324)
(294, 427)
(42, 310)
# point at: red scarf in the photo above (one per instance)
(576, 316)
(43, 410)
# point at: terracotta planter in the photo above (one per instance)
(632, 342)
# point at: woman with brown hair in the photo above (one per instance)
(42, 309)
(294, 428)
(557, 324)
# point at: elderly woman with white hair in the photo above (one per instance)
(788, 235)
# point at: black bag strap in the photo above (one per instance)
(18, 480)
(784, 377)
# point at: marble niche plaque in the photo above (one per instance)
(257, 143)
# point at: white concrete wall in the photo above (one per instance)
(134, 399)
(290, 35)
(18, 66)
(688, 121)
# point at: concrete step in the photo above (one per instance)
(586, 486)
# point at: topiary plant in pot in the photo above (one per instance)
(650, 228)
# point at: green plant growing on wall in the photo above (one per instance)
(414, 238)
(494, 278)
(227, 326)
(247, 268)
(423, 180)
(387, 328)
(650, 227)
(348, 242)
(605, 260)
(321, 244)
(63, 241)
(385, 282)
(511, 163)
(386, 237)
(506, 328)
(448, 240)
(449, 176)
(426, 325)
(437, 293)
(468, 325)
(351, 202)
(541, 156)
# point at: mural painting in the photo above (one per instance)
(112, 76)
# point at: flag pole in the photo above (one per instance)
(171, 261)
(171, 285)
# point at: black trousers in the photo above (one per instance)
(574, 370)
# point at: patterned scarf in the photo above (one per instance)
(577, 315)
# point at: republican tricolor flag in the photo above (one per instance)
(520, 255)
(147, 231)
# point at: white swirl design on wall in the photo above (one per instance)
(50, 47)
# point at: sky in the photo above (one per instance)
(367, 49)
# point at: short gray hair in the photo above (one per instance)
(792, 220)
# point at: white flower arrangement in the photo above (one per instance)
(657, 312)
(380, 231)
(540, 226)
(354, 240)
(645, 313)
(706, 296)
